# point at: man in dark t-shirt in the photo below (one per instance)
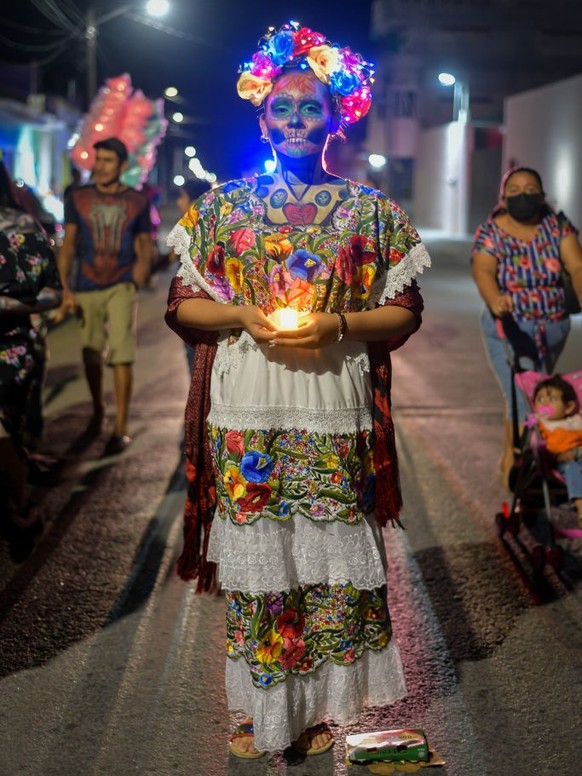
(107, 231)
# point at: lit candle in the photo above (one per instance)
(285, 318)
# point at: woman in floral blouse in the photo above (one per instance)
(517, 262)
(292, 420)
(29, 283)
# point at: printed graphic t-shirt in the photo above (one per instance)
(108, 225)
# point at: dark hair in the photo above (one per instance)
(500, 208)
(195, 188)
(113, 144)
(7, 190)
(512, 171)
(564, 386)
(17, 197)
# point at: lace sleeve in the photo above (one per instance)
(403, 255)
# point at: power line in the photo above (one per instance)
(33, 47)
(157, 25)
(26, 28)
(52, 12)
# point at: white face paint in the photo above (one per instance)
(298, 115)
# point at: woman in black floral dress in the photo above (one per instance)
(29, 284)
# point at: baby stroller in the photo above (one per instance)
(537, 485)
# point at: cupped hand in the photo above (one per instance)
(254, 320)
(503, 305)
(316, 331)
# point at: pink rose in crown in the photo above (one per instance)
(305, 39)
(356, 105)
(263, 66)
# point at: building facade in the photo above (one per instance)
(494, 48)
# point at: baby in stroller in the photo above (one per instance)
(557, 409)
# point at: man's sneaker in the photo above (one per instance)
(117, 444)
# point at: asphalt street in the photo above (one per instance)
(110, 665)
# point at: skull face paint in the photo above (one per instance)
(298, 115)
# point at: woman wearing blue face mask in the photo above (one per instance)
(517, 261)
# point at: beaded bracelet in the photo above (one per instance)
(342, 328)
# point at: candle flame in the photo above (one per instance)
(285, 318)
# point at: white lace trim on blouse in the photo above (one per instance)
(281, 713)
(279, 556)
(179, 240)
(400, 276)
(317, 421)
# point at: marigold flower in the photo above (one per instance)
(251, 87)
(323, 60)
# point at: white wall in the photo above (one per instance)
(544, 131)
(442, 178)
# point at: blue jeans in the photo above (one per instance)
(520, 346)
(572, 473)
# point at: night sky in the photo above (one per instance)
(219, 35)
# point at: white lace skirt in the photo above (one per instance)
(320, 392)
(281, 713)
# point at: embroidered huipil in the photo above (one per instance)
(300, 556)
(529, 271)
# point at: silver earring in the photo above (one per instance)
(264, 139)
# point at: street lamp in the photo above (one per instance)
(377, 161)
(154, 8)
(460, 96)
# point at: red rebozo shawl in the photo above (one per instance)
(201, 494)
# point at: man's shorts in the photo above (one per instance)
(107, 318)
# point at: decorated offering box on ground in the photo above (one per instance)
(392, 746)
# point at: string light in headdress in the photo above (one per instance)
(348, 76)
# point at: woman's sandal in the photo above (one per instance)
(244, 730)
(310, 734)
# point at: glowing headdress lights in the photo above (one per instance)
(348, 76)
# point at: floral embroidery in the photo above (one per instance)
(27, 264)
(276, 474)
(294, 633)
(301, 265)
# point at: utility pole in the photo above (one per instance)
(91, 54)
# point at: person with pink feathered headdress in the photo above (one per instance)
(295, 286)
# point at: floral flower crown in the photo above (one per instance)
(348, 76)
